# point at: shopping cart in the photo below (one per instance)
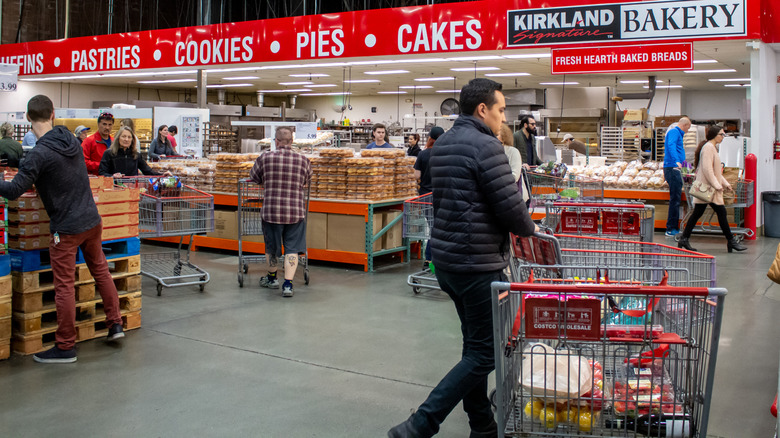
(544, 255)
(629, 221)
(564, 368)
(250, 204)
(168, 208)
(418, 220)
(552, 188)
(743, 197)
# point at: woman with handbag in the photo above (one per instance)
(708, 189)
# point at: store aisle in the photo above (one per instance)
(348, 356)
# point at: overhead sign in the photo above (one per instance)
(623, 58)
(626, 21)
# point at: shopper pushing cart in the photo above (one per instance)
(284, 175)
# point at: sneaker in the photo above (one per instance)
(55, 355)
(270, 283)
(115, 332)
(287, 290)
(672, 233)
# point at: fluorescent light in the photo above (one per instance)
(643, 81)
(730, 80)
(310, 75)
(325, 94)
(499, 75)
(447, 78)
(559, 83)
(392, 92)
(448, 91)
(474, 68)
(287, 90)
(377, 62)
(415, 86)
(665, 86)
(218, 70)
(475, 58)
(110, 75)
(296, 83)
(705, 61)
(320, 85)
(241, 78)
(167, 81)
(723, 70)
(386, 72)
(415, 60)
(308, 66)
(529, 55)
(227, 85)
(361, 81)
(736, 85)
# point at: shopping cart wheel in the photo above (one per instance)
(416, 290)
(492, 397)
(202, 287)
(306, 277)
(246, 268)
(240, 280)
(159, 289)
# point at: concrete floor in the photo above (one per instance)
(348, 356)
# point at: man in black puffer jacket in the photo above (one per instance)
(56, 166)
(476, 205)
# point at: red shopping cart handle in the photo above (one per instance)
(598, 205)
(773, 409)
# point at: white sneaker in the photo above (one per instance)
(287, 291)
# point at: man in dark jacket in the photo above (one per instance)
(525, 142)
(476, 205)
(56, 166)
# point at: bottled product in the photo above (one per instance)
(655, 425)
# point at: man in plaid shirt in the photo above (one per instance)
(284, 175)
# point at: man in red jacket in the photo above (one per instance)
(97, 143)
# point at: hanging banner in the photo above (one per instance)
(623, 58)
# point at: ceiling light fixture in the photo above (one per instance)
(361, 81)
(391, 92)
(223, 70)
(529, 55)
(288, 90)
(296, 83)
(730, 80)
(723, 70)
(736, 85)
(309, 75)
(474, 68)
(228, 85)
(640, 82)
(447, 78)
(167, 81)
(321, 86)
(242, 78)
(475, 58)
(325, 94)
(559, 83)
(413, 87)
(386, 72)
(705, 61)
(506, 75)
(664, 86)
(448, 91)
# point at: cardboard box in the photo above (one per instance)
(28, 229)
(119, 194)
(120, 232)
(120, 220)
(394, 236)
(118, 208)
(100, 182)
(28, 242)
(347, 233)
(667, 121)
(28, 201)
(317, 231)
(635, 114)
(225, 225)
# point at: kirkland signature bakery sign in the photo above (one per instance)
(627, 21)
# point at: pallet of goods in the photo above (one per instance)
(230, 168)
(33, 315)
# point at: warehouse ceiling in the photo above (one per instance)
(515, 69)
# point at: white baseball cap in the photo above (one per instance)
(79, 129)
(568, 137)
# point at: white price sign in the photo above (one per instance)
(307, 130)
(8, 76)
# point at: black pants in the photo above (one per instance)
(698, 211)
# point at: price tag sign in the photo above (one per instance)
(307, 130)
(8, 76)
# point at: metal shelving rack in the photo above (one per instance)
(220, 138)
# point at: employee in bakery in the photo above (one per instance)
(284, 175)
(57, 168)
(525, 142)
(379, 132)
(575, 145)
(123, 158)
(97, 143)
(476, 205)
(674, 155)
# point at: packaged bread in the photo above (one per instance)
(631, 172)
(615, 171)
(655, 182)
(651, 165)
(383, 153)
(624, 181)
(645, 173)
(659, 173)
(639, 182)
(610, 181)
(336, 152)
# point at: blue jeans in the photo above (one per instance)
(674, 178)
(468, 380)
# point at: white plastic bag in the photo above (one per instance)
(547, 372)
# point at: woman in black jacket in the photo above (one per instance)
(123, 158)
(161, 145)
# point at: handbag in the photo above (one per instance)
(774, 270)
(701, 190)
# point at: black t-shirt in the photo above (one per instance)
(423, 159)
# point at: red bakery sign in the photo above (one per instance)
(627, 58)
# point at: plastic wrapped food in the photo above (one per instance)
(639, 182)
(645, 173)
(624, 181)
(610, 181)
(621, 164)
(559, 374)
(615, 171)
(631, 172)
(651, 165)
(655, 182)
(636, 164)
(659, 173)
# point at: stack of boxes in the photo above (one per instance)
(369, 179)
(34, 318)
(329, 173)
(404, 183)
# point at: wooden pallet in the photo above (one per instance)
(46, 320)
(28, 302)
(122, 266)
(43, 280)
(33, 343)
